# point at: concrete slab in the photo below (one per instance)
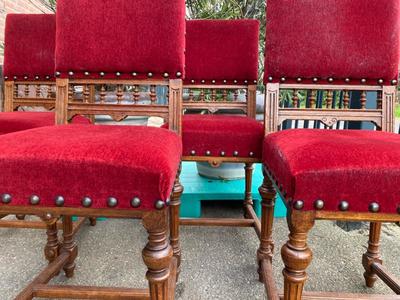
(218, 263)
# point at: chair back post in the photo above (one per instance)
(9, 88)
(251, 100)
(175, 105)
(388, 108)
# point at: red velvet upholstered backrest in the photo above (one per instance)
(120, 36)
(221, 50)
(338, 39)
(29, 46)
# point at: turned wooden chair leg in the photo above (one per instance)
(248, 199)
(296, 254)
(266, 249)
(93, 221)
(372, 255)
(157, 255)
(174, 220)
(52, 248)
(69, 245)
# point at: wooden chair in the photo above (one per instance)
(221, 74)
(346, 175)
(29, 81)
(110, 171)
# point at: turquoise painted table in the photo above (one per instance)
(198, 188)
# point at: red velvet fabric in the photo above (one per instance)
(222, 50)
(120, 36)
(18, 120)
(341, 39)
(227, 133)
(77, 161)
(357, 166)
(29, 46)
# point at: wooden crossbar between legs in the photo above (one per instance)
(343, 296)
(36, 224)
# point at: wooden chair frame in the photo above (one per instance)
(296, 254)
(13, 99)
(162, 256)
(249, 108)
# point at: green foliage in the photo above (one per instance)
(232, 9)
(50, 4)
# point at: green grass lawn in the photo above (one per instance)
(397, 111)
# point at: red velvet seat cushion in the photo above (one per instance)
(120, 36)
(359, 167)
(29, 46)
(222, 50)
(341, 39)
(77, 161)
(18, 120)
(227, 133)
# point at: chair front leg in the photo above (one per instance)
(175, 205)
(372, 255)
(157, 255)
(296, 254)
(52, 248)
(248, 199)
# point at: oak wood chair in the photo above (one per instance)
(29, 81)
(110, 171)
(347, 175)
(221, 75)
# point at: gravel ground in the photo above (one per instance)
(218, 263)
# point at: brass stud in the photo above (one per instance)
(203, 81)
(149, 74)
(347, 80)
(159, 204)
(319, 204)
(330, 79)
(344, 205)
(255, 82)
(270, 78)
(70, 73)
(6, 198)
(235, 81)
(112, 202)
(245, 82)
(213, 81)
(47, 77)
(58, 74)
(166, 75)
(86, 202)
(235, 153)
(193, 81)
(178, 74)
(59, 201)
(15, 77)
(298, 204)
(222, 153)
(251, 154)
(6, 77)
(380, 81)
(168, 202)
(118, 74)
(225, 81)
(299, 79)
(134, 74)
(394, 81)
(135, 202)
(192, 153)
(283, 79)
(26, 77)
(34, 200)
(36, 77)
(374, 207)
(87, 73)
(208, 153)
(315, 79)
(363, 80)
(102, 74)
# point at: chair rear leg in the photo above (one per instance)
(69, 245)
(372, 255)
(157, 255)
(248, 199)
